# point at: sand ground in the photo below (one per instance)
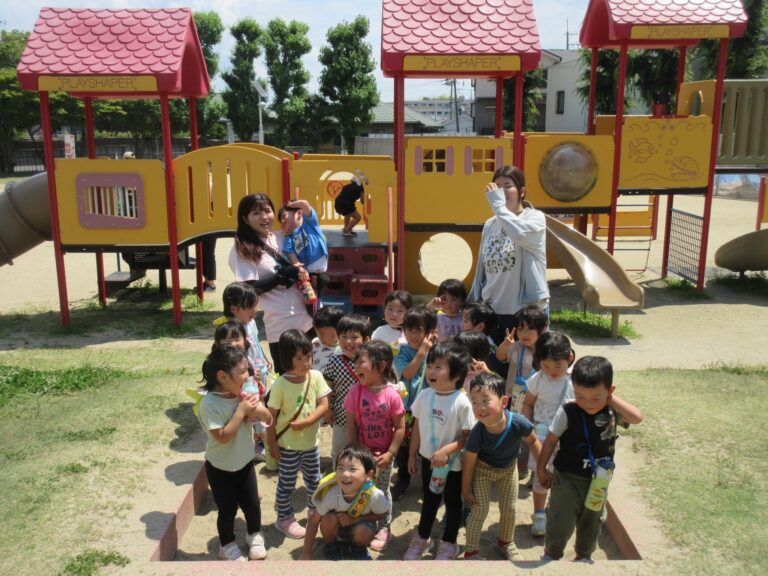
(673, 333)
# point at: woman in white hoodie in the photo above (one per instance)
(512, 262)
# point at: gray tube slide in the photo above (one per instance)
(25, 216)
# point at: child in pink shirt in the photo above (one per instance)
(376, 419)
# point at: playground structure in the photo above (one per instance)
(132, 206)
(750, 251)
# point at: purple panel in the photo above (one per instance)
(499, 157)
(132, 205)
(419, 160)
(449, 161)
(467, 161)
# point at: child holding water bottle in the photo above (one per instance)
(442, 420)
(586, 431)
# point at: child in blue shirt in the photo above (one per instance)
(410, 365)
(304, 241)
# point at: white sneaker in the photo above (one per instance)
(256, 548)
(538, 523)
(231, 552)
(417, 547)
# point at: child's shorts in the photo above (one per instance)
(345, 532)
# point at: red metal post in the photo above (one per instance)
(400, 170)
(390, 242)
(760, 204)
(194, 144)
(90, 142)
(617, 145)
(50, 165)
(680, 75)
(717, 113)
(499, 111)
(667, 233)
(170, 201)
(518, 142)
(286, 173)
(592, 93)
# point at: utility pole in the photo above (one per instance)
(456, 104)
(568, 35)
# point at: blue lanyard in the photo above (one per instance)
(506, 431)
(520, 380)
(590, 454)
(433, 440)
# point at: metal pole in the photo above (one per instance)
(194, 144)
(717, 113)
(90, 140)
(518, 143)
(617, 145)
(170, 200)
(50, 165)
(499, 106)
(592, 93)
(400, 169)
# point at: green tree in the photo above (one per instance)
(319, 125)
(140, 119)
(347, 80)
(11, 47)
(13, 100)
(241, 96)
(654, 75)
(607, 80)
(747, 56)
(533, 82)
(210, 29)
(284, 47)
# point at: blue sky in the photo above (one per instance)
(319, 15)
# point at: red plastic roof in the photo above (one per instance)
(610, 22)
(159, 43)
(457, 28)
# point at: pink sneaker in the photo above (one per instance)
(447, 550)
(380, 541)
(290, 528)
(417, 548)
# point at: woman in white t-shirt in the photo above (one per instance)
(256, 259)
(512, 261)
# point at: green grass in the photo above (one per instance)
(138, 312)
(89, 562)
(752, 283)
(706, 474)
(684, 289)
(589, 324)
(15, 380)
(75, 452)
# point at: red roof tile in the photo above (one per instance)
(608, 22)
(457, 28)
(162, 43)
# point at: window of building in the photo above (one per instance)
(560, 103)
(433, 160)
(483, 160)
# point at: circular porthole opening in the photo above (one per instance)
(445, 255)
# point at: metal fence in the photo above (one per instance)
(28, 155)
(685, 245)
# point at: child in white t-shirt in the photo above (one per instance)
(396, 304)
(442, 420)
(548, 389)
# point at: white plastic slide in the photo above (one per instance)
(25, 216)
(747, 252)
(603, 283)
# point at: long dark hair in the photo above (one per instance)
(515, 174)
(247, 243)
